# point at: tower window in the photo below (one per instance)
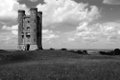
(22, 33)
(28, 36)
(27, 33)
(22, 36)
(28, 28)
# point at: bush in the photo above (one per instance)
(102, 53)
(85, 52)
(79, 52)
(114, 52)
(52, 49)
(106, 53)
(64, 49)
(117, 51)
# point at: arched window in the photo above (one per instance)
(28, 28)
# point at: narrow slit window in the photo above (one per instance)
(28, 21)
(22, 36)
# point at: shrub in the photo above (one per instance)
(117, 51)
(106, 53)
(114, 52)
(102, 53)
(85, 52)
(52, 49)
(79, 52)
(64, 49)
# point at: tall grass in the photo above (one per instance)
(59, 65)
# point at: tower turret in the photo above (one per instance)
(21, 14)
(39, 31)
(33, 24)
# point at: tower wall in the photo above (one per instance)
(27, 27)
(33, 24)
(30, 29)
(39, 31)
(21, 14)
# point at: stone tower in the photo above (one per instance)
(29, 29)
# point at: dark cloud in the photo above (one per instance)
(110, 13)
(91, 2)
(110, 9)
(29, 3)
(111, 2)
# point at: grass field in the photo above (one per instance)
(57, 65)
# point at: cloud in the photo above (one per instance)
(65, 16)
(9, 9)
(84, 33)
(8, 23)
(8, 40)
(33, 0)
(107, 32)
(13, 29)
(48, 35)
(112, 2)
(67, 11)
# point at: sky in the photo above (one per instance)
(74, 24)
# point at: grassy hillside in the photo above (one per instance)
(57, 65)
